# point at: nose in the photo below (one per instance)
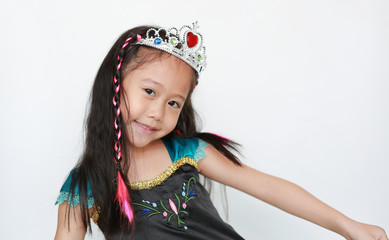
(156, 110)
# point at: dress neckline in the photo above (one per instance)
(158, 180)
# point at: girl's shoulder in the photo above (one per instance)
(70, 191)
(185, 147)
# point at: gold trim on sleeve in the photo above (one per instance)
(95, 214)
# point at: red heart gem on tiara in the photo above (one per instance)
(191, 39)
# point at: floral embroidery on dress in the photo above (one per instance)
(177, 205)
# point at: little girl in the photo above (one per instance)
(139, 174)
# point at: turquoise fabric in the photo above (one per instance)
(185, 147)
(177, 148)
(74, 199)
(200, 152)
(66, 185)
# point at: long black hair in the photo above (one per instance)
(96, 169)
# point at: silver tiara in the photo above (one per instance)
(186, 44)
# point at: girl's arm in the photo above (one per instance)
(69, 223)
(284, 195)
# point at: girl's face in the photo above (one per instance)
(155, 93)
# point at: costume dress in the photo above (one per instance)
(174, 205)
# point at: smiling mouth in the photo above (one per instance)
(146, 127)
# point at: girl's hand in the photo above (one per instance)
(361, 231)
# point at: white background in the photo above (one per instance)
(303, 85)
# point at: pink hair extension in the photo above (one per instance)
(122, 193)
(124, 199)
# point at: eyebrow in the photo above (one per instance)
(148, 80)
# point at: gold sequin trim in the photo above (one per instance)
(95, 214)
(148, 184)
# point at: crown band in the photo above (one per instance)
(186, 44)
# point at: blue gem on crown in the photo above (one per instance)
(157, 41)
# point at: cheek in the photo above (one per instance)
(124, 109)
(128, 108)
(125, 114)
(172, 120)
(131, 112)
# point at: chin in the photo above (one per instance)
(141, 143)
(140, 140)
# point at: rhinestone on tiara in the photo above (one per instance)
(186, 44)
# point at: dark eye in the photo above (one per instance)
(150, 92)
(174, 104)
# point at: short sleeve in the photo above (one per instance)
(73, 199)
(185, 147)
(200, 152)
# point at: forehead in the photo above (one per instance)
(163, 68)
(147, 55)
